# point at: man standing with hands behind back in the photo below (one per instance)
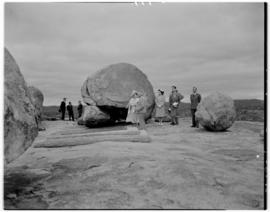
(195, 99)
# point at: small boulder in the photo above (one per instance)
(20, 126)
(80, 121)
(216, 112)
(94, 117)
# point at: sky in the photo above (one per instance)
(213, 46)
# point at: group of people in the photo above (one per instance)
(137, 102)
(69, 108)
(137, 107)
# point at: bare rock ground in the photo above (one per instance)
(181, 168)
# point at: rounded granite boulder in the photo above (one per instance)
(110, 89)
(216, 112)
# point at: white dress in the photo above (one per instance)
(131, 116)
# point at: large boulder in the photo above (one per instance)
(93, 117)
(20, 126)
(110, 89)
(216, 112)
(37, 100)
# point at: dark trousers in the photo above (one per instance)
(70, 116)
(79, 114)
(63, 114)
(195, 123)
(175, 120)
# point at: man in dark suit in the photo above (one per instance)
(70, 112)
(62, 108)
(80, 109)
(195, 99)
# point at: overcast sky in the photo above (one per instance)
(214, 46)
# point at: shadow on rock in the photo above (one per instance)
(22, 189)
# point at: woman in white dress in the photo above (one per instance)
(160, 106)
(131, 116)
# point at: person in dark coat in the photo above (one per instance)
(80, 109)
(70, 112)
(62, 108)
(174, 103)
(195, 99)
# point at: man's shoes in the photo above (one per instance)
(172, 123)
(192, 126)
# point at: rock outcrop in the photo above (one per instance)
(37, 100)
(20, 126)
(110, 88)
(94, 117)
(216, 112)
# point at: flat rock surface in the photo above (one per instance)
(182, 168)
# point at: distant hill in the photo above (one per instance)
(249, 109)
(246, 109)
(52, 112)
(249, 104)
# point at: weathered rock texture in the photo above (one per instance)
(182, 168)
(80, 121)
(20, 125)
(216, 112)
(94, 137)
(110, 88)
(37, 100)
(94, 117)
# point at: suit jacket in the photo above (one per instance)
(195, 99)
(70, 109)
(62, 106)
(80, 108)
(175, 98)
